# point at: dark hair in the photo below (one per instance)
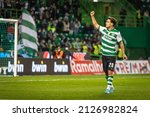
(113, 20)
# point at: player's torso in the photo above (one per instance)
(109, 41)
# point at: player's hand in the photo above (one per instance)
(92, 13)
(125, 57)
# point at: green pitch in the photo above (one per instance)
(69, 87)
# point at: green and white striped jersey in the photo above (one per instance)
(109, 41)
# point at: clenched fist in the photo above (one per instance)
(92, 13)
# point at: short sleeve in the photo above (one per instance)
(101, 28)
(119, 38)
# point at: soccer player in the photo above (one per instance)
(110, 38)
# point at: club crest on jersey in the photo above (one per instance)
(112, 34)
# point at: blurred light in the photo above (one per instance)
(95, 0)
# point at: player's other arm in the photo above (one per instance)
(94, 22)
(123, 50)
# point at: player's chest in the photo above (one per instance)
(109, 36)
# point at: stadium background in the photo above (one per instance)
(133, 24)
(52, 18)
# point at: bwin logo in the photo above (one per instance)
(60, 68)
(39, 67)
(20, 67)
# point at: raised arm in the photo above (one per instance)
(94, 22)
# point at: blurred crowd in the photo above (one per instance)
(143, 10)
(142, 5)
(59, 24)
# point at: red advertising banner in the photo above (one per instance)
(86, 67)
(121, 67)
(64, 67)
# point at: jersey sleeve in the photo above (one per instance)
(101, 28)
(119, 38)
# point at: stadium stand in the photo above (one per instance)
(66, 23)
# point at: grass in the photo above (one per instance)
(79, 87)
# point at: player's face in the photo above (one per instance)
(108, 23)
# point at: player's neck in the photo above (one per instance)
(110, 28)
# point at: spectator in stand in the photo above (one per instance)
(49, 42)
(77, 25)
(42, 39)
(59, 26)
(75, 7)
(43, 45)
(44, 32)
(8, 4)
(88, 29)
(58, 40)
(41, 12)
(77, 45)
(89, 43)
(17, 4)
(146, 17)
(67, 43)
(67, 53)
(44, 22)
(51, 27)
(58, 54)
(1, 3)
(119, 54)
(10, 31)
(66, 26)
(72, 27)
(96, 48)
(85, 47)
(146, 13)
(65, 9)
(139, 18)
(57, 15)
